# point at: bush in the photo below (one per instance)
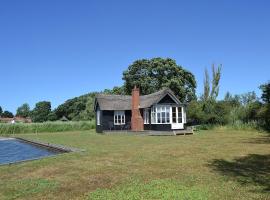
(203, 127)
(46, 127)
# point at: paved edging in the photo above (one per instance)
(57, 147)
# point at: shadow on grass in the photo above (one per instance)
(261, 140)
(253, 169)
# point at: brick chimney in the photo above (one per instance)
(136, 118)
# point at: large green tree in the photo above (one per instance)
(41, 111)
(23, 110)
(1, 111)
(154, 74)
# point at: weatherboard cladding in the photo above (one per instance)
(123, 102)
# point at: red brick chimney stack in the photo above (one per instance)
(136, 118)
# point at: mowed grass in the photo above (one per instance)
(216, 164)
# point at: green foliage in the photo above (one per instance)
(195, 113)
(234, 111)
(154, 74)
(156, 189)
(52, 116)
(267, 116)
(215, 112)
(45, 127)
(41, 111)
(266, 92)
(116, 90)
(213, 94)
(23, 110)
(247, 98)
(208, 112)
(206, 84)
(7, 114)
(265, 110)
(215, 81)
(1, 111)
(240, 125)
(78, 108)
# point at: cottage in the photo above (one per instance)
(159, 111)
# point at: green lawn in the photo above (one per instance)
(214, 165)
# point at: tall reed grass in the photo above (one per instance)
(238, 125)
(45, 127)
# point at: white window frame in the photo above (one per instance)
(157, 113)
(153, 115)
(98, 117)
(119, 115)
(146, 116)
(180, 111)
(179, 119)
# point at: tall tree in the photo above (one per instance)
(266, 92)
(206, 86)
(212, 93)
(216, 72)
(23, 110)
(247, 98)
(41, 111)
(154, 74)
(1, 111)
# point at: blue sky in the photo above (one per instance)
(58, 49)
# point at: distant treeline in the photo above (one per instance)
(76, 109)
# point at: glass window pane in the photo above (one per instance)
(168, 116)
(158, 118)
(163, 114)
(163, 117)
(163, 120)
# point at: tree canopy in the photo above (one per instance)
(154, 74)
(23, 110)
(41, 111)
(265, 92)
(78, 108)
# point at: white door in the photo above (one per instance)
(177, 118)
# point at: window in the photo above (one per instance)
(119, 117)
(173, 114)
(160, 114)
(153, 115)
(98, 117)
(179, 115)
(146, 116)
